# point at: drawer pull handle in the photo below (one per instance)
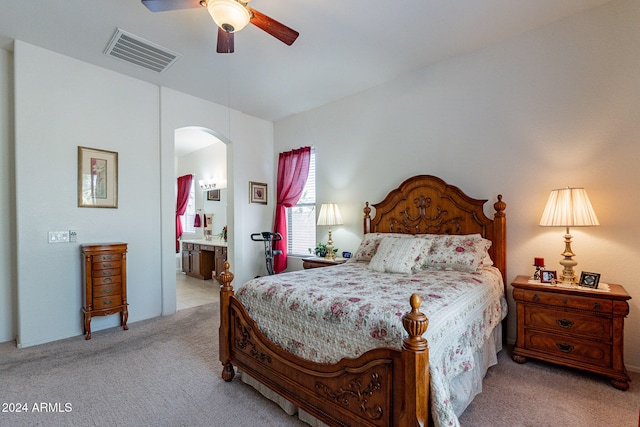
(565, 348)
(536, 297)
(108, 302)
(597, 306)
(107, 290)
(564, 323)
(564, 301)
(108, 280)
(109, 265)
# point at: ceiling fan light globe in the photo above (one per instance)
(229, 15)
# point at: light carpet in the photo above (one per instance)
(165, 372)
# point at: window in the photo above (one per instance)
(301, 218)
(190, 214)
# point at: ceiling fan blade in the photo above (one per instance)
(273, 27)
(165, 5)
(225, 41)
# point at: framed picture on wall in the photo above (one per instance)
(257, 192)
(97, 178)
(213, 195)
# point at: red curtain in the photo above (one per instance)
(293, 169)
(184, 186)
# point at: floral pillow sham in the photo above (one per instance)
(467, 253)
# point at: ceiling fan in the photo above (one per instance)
(230, 16)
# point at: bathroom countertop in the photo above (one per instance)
(215, 241)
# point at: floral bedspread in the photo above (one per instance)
(326, 314)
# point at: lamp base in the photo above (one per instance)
(330, 255)
(568, 275)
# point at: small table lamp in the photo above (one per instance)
(329, 215)
(568, 207)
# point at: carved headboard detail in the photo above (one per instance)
(425, 204)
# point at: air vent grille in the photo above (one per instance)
(135, 50)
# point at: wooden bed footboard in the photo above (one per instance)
(383, 387)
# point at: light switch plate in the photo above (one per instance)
(58, 237)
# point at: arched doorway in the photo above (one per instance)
(202, 153)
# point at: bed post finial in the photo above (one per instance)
(367, 218)
(415, 355)
(226, 292)
(499, 206)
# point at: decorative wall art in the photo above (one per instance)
(213, 195)
(97, 178)
(257, 192)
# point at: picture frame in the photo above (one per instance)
(213, 195)
(589, 280)
(548, 276)
(97, 178)
(257, 192)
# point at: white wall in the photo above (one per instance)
(554, 107)
(7, 217)
(80, 104)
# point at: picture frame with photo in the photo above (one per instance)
(589, 280)
(257, 192)
(214, 195)
(548, 276)
(97, 178)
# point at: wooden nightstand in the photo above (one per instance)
(315, 262)
(575, 327)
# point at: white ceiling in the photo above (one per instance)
(345, 46)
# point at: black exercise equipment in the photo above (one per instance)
(268, 238)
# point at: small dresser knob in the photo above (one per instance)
(565, 348)
(536, 297)
(597, 306)
(564, 301)
(564, 323)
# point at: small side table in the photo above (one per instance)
(575, 327)
(317, 262)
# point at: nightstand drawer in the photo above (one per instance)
(565, 321)
(107, 302)
(592, 352)
(573, 301)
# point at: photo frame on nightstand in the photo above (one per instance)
(548, 276)
(589, 280)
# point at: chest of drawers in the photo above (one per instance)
(104, 276)
(575, 327)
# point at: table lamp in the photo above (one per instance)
(329, 215)
(568, 207)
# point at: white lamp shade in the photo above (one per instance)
(569, 207)
(329, 214)
(229, 13)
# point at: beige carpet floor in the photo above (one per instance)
(165, 372)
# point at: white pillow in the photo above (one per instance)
(398, 255)
(369, 244)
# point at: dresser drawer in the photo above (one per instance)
(566, 321)
(100, 303)
(105, 290)
(103, 265)
(108, 280)
(569, 301)
(107, 257)
(107, 272)
(591, 352)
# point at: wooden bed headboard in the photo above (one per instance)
(426, 204)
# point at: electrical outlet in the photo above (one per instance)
(73, 236)
(58, 236)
